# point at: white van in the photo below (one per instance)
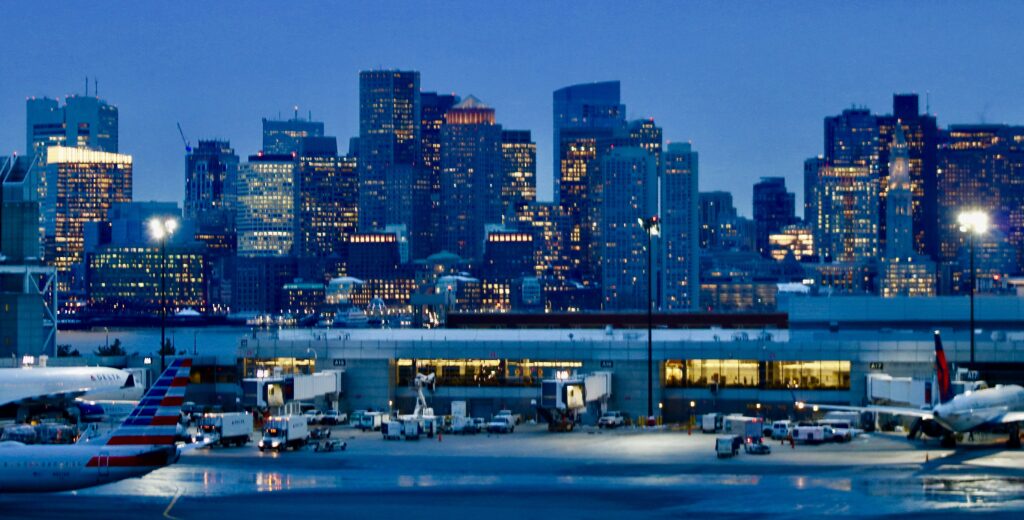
(813, 434)
(781, 429)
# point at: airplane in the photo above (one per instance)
(1001, 406)
(25, 389)
(142, 443)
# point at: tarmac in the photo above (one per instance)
(584, 474)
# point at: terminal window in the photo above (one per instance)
(739, 373)
(698, 373)
(813, 375)
(481, 372)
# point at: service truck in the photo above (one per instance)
(226, 429)
(750, 428)
(711, 422)
(281, 433)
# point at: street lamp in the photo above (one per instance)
(650, 226)
(161, 229)
(972, 222)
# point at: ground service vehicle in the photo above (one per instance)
(501, 424)
(356, 418)
(611, 420)
(372, 421)
(725, 446)
(812, 433)
(281, 433)
(226, 429)
(780, 429)
(711, 422)
(334, 418)
(313, 416)
(516, 418)
(751, 429)
(757, 448)
(841, 430)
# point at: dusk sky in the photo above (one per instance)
(748, 84)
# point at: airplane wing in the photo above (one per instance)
(894, 410)
(56, 397)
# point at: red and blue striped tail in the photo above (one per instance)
(154, 420)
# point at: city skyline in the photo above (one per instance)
(226, 94)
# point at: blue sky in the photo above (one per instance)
(748, 83)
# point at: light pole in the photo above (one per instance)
(160, 229)
(650, 226)
(973, 222)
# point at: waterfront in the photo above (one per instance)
(220, 340)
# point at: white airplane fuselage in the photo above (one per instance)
(25, 468)
(41, 383)
(968, 411)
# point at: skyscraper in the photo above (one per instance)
(79, 187)
(471, 168)
(774, 209)
(282, 137)
(846, 226)
(389, 147)
(328, 193)
(811, 168)
(519, 169)
(629, 179)
(906, 273)
(588, 105)
(210, 172)
(679, 228)
(981, 167)
(82, 122)
(427, 230)
(266, 206)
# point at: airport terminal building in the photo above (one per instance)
(824, 354)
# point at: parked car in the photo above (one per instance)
(313, 416)
(334, 417)
(611, 420)
(501, 424)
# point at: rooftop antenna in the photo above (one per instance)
(87, 86)
(96, 87)
(296, 108)
(310, 116)
(927, 102)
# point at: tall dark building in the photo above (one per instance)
(426, 231)
(588, 105)
(679, 228)
(328, 193)
(282, 137)
(82, 122)
(389, 147)
(471, 168)
(981, 167)
(811, 168)
(211, 169)
(774, 209)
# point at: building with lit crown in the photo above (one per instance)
(266, 219)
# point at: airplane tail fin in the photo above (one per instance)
(155, 419)
(942, 371)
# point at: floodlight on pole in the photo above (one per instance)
(973, 222)
(161, 229)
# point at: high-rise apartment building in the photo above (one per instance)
(328, 198)
(846, 224)
(774, 209)
(266, 220)
(283, 137)
(519, 170)
(629, 179)
(680, 237)
(82, 122)
(471, 169)
(389, 148)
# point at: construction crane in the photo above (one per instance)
(188, 146)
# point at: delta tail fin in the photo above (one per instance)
(942, 374)
(155, 419)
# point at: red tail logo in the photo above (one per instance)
(942, 371)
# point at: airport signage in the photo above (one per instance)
(607, 363)
(877, 365)
(338, 362)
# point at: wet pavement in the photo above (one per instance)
(587, 474)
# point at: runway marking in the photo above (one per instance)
(167, 512)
